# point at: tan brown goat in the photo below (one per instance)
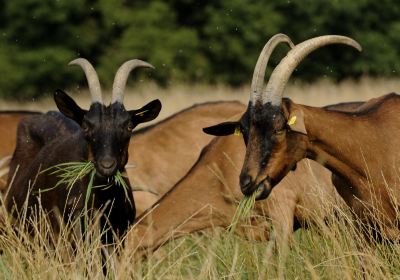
(360, 148)
(207, 197)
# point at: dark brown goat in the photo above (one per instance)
(360, 148)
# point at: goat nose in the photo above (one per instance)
(108, 163)
(244, 180)
(263, 190)
(245, 184)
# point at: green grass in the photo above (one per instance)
(70, 172)
(243, 210)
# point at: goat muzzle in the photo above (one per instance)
(248, 187)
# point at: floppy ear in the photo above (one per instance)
(68, 106)
(147, 113)
(296, 121)
(223, 129)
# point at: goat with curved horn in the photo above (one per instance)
(261, 65)
(92, 78)
(100, 134)
(122, 77)
(360, 148)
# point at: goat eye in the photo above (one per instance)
(130, 127)
(85, 127)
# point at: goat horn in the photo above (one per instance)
(281, 74)
(261, 65)
(92, 78)
(122, 76)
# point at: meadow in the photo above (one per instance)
(329, 249)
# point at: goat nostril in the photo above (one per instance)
(263, 190)
(245, 181)
(108, 163)
(246, 184)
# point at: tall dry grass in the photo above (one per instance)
(329, 249)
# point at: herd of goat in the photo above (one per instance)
(296, 158)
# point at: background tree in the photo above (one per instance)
(188, 41)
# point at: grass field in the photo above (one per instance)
(333, 249)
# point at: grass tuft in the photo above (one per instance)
(243, 210)
(71, 172)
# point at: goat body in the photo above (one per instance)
(47, 140)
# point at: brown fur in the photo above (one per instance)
(360, 148)
(365, 152)
(163, 153)
(9, 121)
(207, 196)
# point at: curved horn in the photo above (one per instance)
(281, 74)
(261, 65)
(122, 76)
(92, 78)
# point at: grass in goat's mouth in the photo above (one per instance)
(243, 210)
(71, 172)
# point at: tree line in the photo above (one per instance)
(188, 41)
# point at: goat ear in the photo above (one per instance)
(223, 129)
(147, 113)
(296, 121)
(68, 106)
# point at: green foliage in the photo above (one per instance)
(369, 22)
(152, 34)
(187, 40)
(235, 34)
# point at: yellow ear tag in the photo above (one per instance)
(292, 120)
(237, 131)
(140, 114)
